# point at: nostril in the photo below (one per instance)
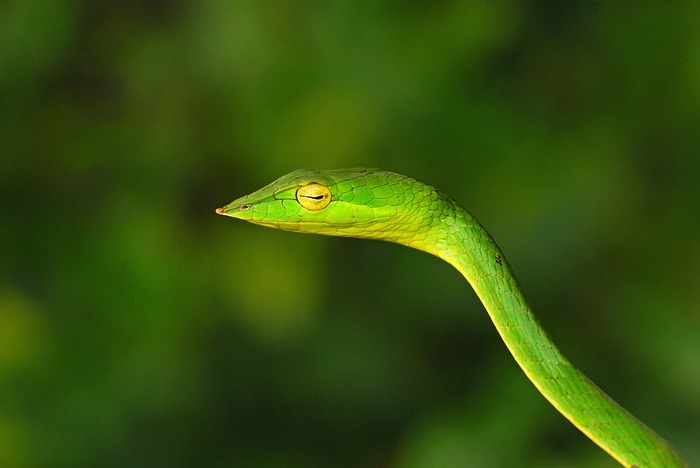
(229, 209)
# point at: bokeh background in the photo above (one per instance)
(137, 328)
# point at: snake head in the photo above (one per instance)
(356, 202)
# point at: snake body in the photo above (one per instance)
(377, 204)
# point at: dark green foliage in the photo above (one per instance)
(137, 328)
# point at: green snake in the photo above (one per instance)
(376, 204)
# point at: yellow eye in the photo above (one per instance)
(314, 196)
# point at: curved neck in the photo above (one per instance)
(458, 238)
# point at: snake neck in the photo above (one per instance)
(455, 236)
(458, 238)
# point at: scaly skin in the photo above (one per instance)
(375, 204)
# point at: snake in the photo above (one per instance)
(372, 203)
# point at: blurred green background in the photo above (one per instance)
(137, 328)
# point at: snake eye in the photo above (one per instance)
(314, 196)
